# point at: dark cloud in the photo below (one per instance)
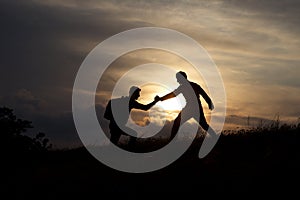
(39, 63)
(45, 45)
(267, 7)
(284, 14)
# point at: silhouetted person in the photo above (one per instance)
(122, 107)
(191, 92)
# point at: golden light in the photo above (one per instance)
(150, 90)
(174, 104)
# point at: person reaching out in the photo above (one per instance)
(118, 121)
(191, 92)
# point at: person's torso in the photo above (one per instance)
(191, 94)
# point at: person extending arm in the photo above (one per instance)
(168, 96)
(135, 104)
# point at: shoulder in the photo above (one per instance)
(133, 102)
(120, 99)
(195, 85)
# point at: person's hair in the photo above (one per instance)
(182, 74)
(133, 89)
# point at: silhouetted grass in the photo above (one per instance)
(261, 159)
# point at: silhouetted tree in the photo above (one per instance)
(12, 139)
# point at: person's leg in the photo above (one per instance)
(175, 126)
(114, 137)
(203, 123)
(202, 120)
(132, 137)
(115, 133)
(182, 117)
(132, 142)
(208, 142)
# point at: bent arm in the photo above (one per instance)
(206, 98)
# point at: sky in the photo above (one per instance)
(255, 45)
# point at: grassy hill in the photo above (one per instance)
(249, 161)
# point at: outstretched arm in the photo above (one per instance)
(140, 106)
(168, 96)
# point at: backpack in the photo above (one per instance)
(121, 110)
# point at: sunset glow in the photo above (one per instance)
(254, 44)
(174, 104)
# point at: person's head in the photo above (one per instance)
(134, 92)
(181, 77)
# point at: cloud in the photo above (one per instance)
(24, 102)
(255, 44)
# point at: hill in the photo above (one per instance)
(256, 161)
